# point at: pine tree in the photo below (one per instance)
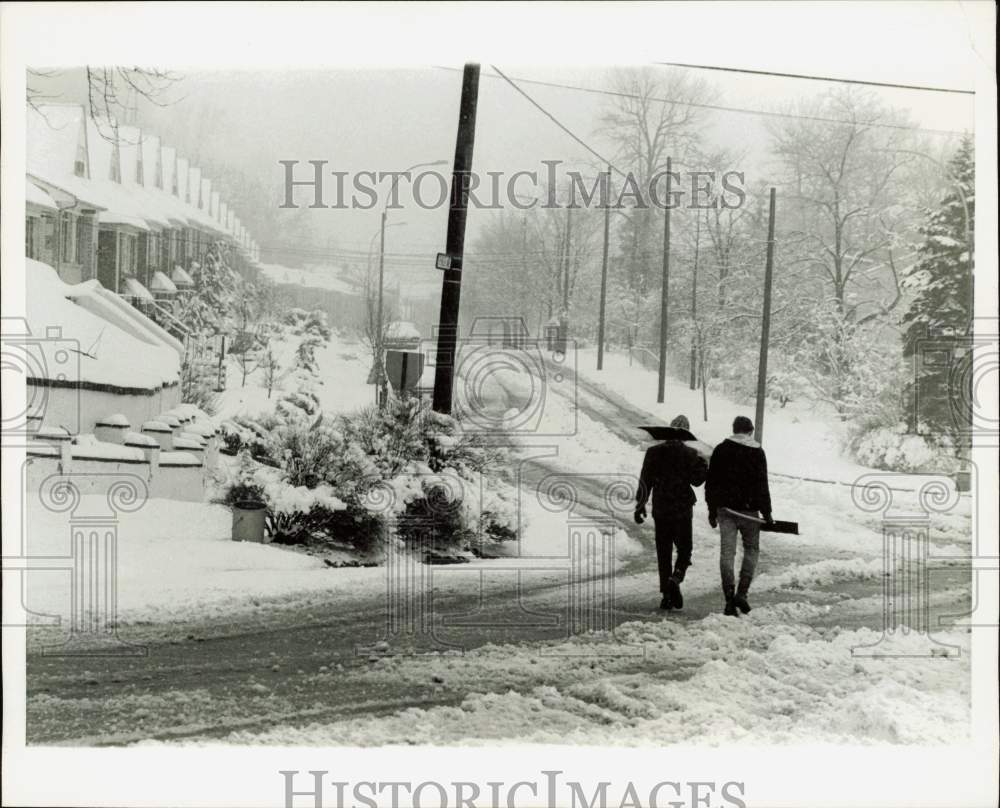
(941, 313)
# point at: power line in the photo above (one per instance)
(891, 85)
(723, 108)
(557, 122)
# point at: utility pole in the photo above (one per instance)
(765, 326)
(664, 294)
(604, 275)
(693, 381)
(566, 261)
(381, 390)
(451, 285)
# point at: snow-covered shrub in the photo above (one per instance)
(295, 513)
(402, 470)
(305, 354)
(308, 322)
(895, 449)
(305, 400)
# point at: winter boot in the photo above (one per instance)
(674, 591)
(667, 603)
(730, 593)
(740, 600)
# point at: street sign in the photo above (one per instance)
(404, 369)
(445, 261)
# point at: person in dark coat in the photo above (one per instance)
(737, 481)
(668, 471)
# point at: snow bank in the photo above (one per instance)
(711, 682)
(90, 349)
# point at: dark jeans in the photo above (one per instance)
(672, 530)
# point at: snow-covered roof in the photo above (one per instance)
(91, 350)
(34, 195)
(102, 147)
(180, 277)
(108, 306)
(168, 162)
(112, 217)
(181, 169)
(161, 283)
(54, 139)
(152, 152)
(132, 288)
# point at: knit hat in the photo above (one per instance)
(681, 422)
(742, 424)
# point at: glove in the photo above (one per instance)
(712, 520)
(640, 515)
(768, 519)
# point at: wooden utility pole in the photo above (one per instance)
(451, 286)
(604, 275)
(765, 326)
(664, 293)
(693, 381)
(566, 258)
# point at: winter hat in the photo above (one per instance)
(680, 422)
(742, 424)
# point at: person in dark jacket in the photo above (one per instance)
(668, 471)
(737, 481)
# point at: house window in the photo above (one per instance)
(29, 238)
(82, 238)
(67, 236)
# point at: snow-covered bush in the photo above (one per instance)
(308, 322)
(895, 449)
(295, 513)
(402, 470)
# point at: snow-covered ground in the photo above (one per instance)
(800, 439)
(341, 384)
(177, 563)
(783, 674)
(767, 680)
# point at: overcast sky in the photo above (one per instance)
(369, 118)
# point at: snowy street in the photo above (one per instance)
(393, 420)
(310, 660)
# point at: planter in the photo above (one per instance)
(248, 521)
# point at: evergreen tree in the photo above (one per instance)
(940, 316)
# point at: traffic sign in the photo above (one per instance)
(445, 261)
(404, 369)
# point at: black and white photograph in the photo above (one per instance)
(483, 405)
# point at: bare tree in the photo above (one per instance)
(657, 113)
(112, 93)
(271, 368)
(844, 183)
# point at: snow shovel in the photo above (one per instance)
(776, 526)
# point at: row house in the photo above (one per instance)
(111, 202)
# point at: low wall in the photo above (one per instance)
(183, 480)
(78, 410)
